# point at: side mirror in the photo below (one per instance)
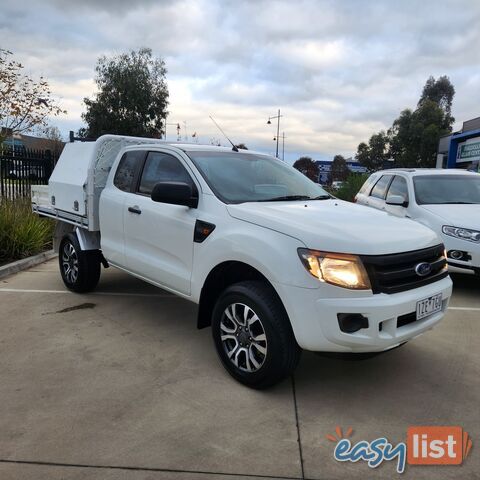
(397, 200)
(175, 193)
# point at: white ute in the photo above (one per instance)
(275, 263)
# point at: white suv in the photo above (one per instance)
(447, 201)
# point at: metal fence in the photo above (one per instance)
(20, 168)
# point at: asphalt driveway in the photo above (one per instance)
(119, 384)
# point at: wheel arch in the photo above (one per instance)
(222, 276)
(87, 240)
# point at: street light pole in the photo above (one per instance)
(278, 127)
(283, 144)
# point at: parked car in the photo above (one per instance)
(447, 201)
(337, 184)
(274, 262)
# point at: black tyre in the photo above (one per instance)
(253, 335)
(80, 270)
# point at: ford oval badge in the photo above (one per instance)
(423, 269)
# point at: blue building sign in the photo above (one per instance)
(461, 149)
(324, 167)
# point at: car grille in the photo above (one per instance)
(396, 272)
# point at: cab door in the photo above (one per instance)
(111, 207)
(159, 236)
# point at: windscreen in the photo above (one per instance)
(238, 177)
(443, 189)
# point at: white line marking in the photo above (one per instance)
(157, 295)
(115, 294)
(475, 309)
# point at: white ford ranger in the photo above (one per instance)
(274, 262)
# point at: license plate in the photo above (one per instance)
(428, 306)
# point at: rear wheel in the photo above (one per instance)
(253, 335)
(80, 270)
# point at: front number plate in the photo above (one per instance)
(428, 306)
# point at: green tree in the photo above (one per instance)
(374, 154)
(414, 135)
(132, 96)
(308, 167)
(363, 156)
(351, 186)
(412, 141)
(440, 91)
(339, 169)
(24, 102)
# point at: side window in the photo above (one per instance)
(162, 167)
(381, 186)
(398, 187)
(367, 186)
(125, 174)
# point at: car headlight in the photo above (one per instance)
(339, 269)
(463, 233)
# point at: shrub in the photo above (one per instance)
(351, 186)
(21, 232)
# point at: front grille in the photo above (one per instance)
(396, 272)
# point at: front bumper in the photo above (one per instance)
(315, 323)
(471, 264)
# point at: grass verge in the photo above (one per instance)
(21, 232)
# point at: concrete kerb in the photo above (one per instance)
(25, 263)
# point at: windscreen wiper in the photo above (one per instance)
(286, 197)
(322, 197)
(460, 203)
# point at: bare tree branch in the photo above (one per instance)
(24, 103)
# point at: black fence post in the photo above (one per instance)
(20, 168)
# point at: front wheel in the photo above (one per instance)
(80, 269)
(253, 335)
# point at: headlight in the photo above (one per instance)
(339, 269)
(463, 233)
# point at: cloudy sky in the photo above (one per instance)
(338, 70)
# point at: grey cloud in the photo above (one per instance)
(340, 70)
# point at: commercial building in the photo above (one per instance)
(461, 149)
(324, 167)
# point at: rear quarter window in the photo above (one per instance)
(367, 186)
(380, 188)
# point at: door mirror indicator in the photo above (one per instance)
(397, 200)
(175, 193)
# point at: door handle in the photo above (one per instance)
(134, 209)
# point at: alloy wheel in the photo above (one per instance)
(70, 263)
(243, 337)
